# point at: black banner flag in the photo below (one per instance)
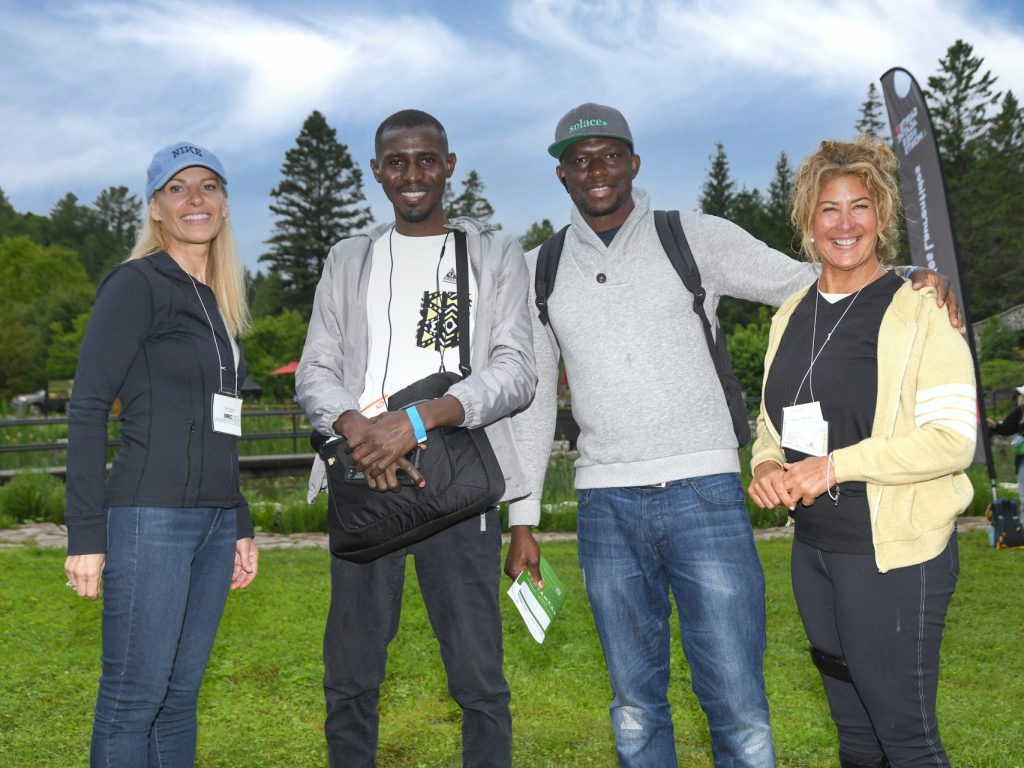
(929, 227)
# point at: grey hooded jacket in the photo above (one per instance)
(332, 370)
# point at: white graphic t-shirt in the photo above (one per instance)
(413, 314)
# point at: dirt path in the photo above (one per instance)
(53, 536)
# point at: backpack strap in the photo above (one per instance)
(673, 240)
(547, 269)
(670, 231)
(462, 299)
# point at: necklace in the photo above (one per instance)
(808, 376)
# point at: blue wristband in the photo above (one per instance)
(417, 424)
(909, 271)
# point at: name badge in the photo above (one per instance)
(804, 429)
(227, 414)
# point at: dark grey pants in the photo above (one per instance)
(888, 627)
(459, 572)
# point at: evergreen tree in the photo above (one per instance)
(747, 210)
(71, 222)
(779, 232)
(981, 182)
(537, 234)
(7, 212)
(871, 116)
(719, 198)
(81, 229)
(718, 192)
(120, 212)
(470, 201)
(960, 101)
(1006, 133)
(317, 202)
(990, 219)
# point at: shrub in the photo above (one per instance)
(32, 496)
(293, 516)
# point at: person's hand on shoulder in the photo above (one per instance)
(922, 277)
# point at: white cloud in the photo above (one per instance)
(93, 87)
(662, 50)
(240, 76)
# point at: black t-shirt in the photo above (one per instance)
(844, 380)
(609, 234)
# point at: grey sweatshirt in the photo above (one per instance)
(644, 389)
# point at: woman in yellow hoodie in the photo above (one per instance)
(868, 418)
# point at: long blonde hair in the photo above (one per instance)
(224, 273)
(872, 161)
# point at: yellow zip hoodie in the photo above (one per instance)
(922, 436)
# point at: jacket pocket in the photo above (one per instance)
(896, 518)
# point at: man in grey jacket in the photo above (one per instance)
(383, 317)
(660, 503)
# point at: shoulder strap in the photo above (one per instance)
(547, 269)
(462, 297)
(673, 240)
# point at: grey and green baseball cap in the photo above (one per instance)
(589, 121)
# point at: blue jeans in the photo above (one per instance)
(692, 537)
(165, 582)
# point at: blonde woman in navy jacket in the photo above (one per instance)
(168, 532)
(875, 481)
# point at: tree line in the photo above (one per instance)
(50, 265)
(980, 135)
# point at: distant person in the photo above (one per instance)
(168, 532)
(868, 419)
(661, 506)
(1013, 425)
(369, 337)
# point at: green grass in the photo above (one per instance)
(261, 704)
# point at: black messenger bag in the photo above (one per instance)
(463, 477)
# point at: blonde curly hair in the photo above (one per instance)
(872, 161)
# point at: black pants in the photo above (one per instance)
(888, 627)
(459, 572)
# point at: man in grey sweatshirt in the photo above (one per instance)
(660, 502)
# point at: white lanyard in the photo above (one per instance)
(213, 333)
(804, 428)
(828, 337)
(225, 407)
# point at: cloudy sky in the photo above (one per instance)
(92, 89)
